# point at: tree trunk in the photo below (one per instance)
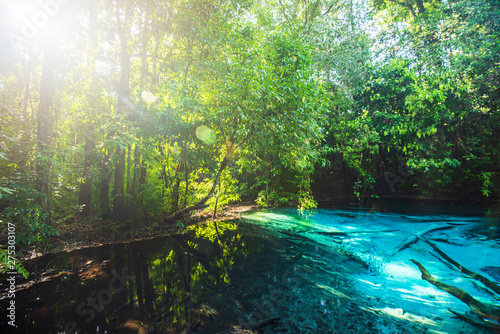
(85, 193)
(136, 172)
(420, 6)
(104, 185)
(175, 188)
(119, 186)
(45, 123)
(186, 180)
(176, 185)
(129, 177)
(142, 186)
(201, 204)
(123, 109)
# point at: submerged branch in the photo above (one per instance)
(464, 270)
(483, 310)
(346, 233)
(414, 238)
(297, 236)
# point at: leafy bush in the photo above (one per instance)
(21, 209)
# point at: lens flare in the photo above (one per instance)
(206, 135)
(148, 96)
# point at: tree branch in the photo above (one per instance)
(405, 4)
(464, 270)
(201, 204)
(483, 310)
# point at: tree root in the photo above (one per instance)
(464, 270)
(414, 238)
(347, 233)
(482, 310)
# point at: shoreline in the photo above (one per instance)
(108, 231)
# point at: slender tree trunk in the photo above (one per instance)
(123, 109)
(176, 186)
(104, 185)
(201, 204)
(85, 193)
(175, 189)
(141, 186)
(45, 123)
(164, 175)
(186, 180)
(119, 186)
(129, 177)
(137, 170)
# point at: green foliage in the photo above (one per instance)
(8, 263)
(29, 218)
(428, 112)
(363, 184)
(151, 109)
(306, 201)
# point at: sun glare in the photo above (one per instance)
(28, 20)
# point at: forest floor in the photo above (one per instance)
(80, 233)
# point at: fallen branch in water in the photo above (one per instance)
(289, 249)
(464, 270)
(346, 233)
(414, 238)
(473, 321)
(483, 310)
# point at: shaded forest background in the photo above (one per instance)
(139, 110)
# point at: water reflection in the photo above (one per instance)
(145, 285)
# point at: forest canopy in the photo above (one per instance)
(135, 110)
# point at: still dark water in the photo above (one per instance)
(277, 271)
(117, 288)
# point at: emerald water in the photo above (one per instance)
(327, 271)
(391, 282)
